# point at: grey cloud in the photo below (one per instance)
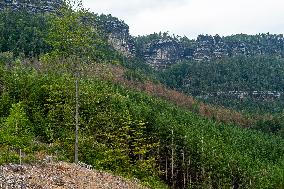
(131, 6)
(192, 17)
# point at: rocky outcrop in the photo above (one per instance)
(117, 34)
(212, 47)
(121, 41)
(256, 95)
(162, 50)
(34, 6)
(209, 47)
(162, 53)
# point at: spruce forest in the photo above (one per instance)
(208, 114)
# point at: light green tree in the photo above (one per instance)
(70, 32)
(71, 36)
(17, 130)
(17, 122)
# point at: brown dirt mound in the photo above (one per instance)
(60, 176)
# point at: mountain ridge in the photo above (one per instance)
(34, 6)
(161, 50)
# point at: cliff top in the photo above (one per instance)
(32, 5)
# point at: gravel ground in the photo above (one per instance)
(60, 176)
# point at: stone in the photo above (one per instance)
(34, 6)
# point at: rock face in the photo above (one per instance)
(162, 53)
(211, 47)
(120, 39)
(117, 34)
(162, 50)
(32, 5)
(256, 95)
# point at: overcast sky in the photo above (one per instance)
(193, 17)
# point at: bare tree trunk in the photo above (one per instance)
(183, 169)
(202, 152)
(159, 158)
(77, 121)
(173, 183)
(188, 173)
(166, 168)
(20, 156)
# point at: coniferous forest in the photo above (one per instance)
(214, 122)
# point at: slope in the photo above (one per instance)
(248, 84)
(121, 130)
(129, 132)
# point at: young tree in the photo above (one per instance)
(70, 33)
(17, 122)
(71, 36)
(17, 128)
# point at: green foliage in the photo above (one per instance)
(16, 130)
(222, 81)
(130, 133)
(34, 34)
(134, 76)
(22, 32)
(274, 125)
(110, 134)
(70, 33)
(6, 58)
(17, 122)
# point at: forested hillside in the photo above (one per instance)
(128, 132)
(75, 70)
(248, 84)
(242, 72)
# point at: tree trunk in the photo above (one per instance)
(77, 121)
(183, 168)
(172, 167)
(166, 168)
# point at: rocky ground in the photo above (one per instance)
(60, 176)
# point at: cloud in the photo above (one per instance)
(128, 6)
(193, 17)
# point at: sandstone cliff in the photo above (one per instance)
(32, 5)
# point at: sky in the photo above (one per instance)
(193, 17)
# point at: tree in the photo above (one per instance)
(17, 122)
(71, 36)
(70, 33)
(23, 32)
(17, 127)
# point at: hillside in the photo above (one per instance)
(200, 67)
(120, 126)
(203, 67)
(248, 84)
(75, 70)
